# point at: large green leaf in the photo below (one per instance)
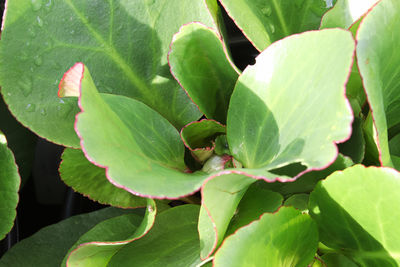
(221, 195)
(345, 13)
(125, 43)
(173, 241)
(363, 202)
(378, 61)
(333, 260)
(97, 246)
(264, 22)
(142, 151)
(290, 106)
(254, 203)
(284, 238)
(48, 247)
(84, 177)
(9, 185)
(199, 61)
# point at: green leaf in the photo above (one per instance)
(20, 140)
(151, 162)
(199, 61)
(97, 246)
(88, 179)
(221, 195)
(48, 247)
(345, 13)
(9, 186)
(355, 146)
(333, 260)
(173, 241)
(361, 201)
(298, 201)
(378, 61)
(285, 238)
(124, 43)
(276, 119)
(254, 203)
(264, 22)
(199, 137)
(307, 182)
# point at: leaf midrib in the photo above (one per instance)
(144, 89)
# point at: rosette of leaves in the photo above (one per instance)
(143, 76)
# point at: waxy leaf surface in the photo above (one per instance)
(46, 248)
(284, 238)
(172, 242)
(97, 246)
(264, 22)
(379, 62)
(362, 202)
(345, 13)
(88, 179)
(9, 185)
(142, 151)
(290, 107)
(125, 43)
(199, 61)
(221, 195)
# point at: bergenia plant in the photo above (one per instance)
(291, 162)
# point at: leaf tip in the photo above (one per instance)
(70, 84)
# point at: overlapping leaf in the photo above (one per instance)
(124, 43)
(290, 106)
(9, 185)
(264, 22)
(142, 151)
(48, 247)
(285, 238)
(378, 61)
(345, 13)
(199, 61)
(172, 242)
(97, 246)
(84, 177)
(362, 201)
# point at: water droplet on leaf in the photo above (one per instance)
(271, 28)
(38, 60)
(267, 11)
(36, 4)
(43, 112)
(48, 4)
(26, 85)
(30, 107)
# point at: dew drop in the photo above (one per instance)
(30, 107)
(36, 4)
(267, 11)
(72, 32)
(271, 28)
(150, 209)
(329, 3)
(26, 85)
(43, 112)
(48, 4)
(39, 21)
(38, 60)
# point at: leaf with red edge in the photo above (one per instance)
(88, 179)
(124, 43)
(200, 62)
(284, 238)
(141, 151)
(97, 246)
(264, 22)
(290, 107)
(199, 137)
(221, 194)
(378, 61)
